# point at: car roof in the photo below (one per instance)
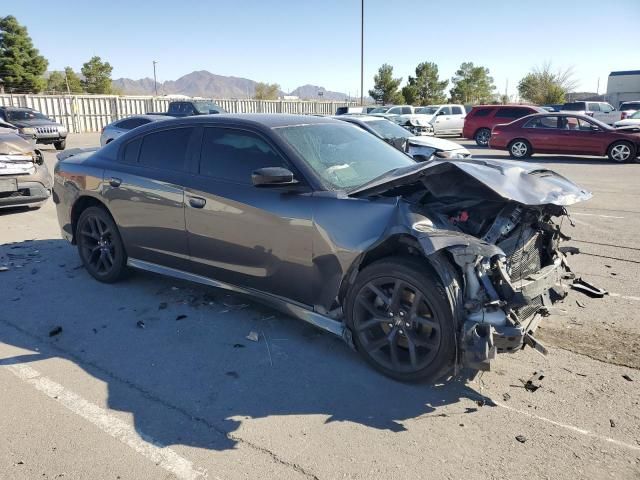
(509, 105)
(558, 114)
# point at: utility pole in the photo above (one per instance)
(155, 81)
(66, 79)
(598, 87)
(362, 52)
(506, 90)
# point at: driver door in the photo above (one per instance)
(256, 237)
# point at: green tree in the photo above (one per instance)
(267, 91)
(543, 86)
(63, 82)
(410, 93)
(97, 76)
(385, 88)
(21, 65)
(426, 86)
(472, 84)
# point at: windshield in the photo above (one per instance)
(630, 106)
(380, 110)
(387, 129)
(207, 107)
(635, 115)
(344, 156)
(427, 110)
(24, 115)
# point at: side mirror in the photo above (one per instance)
(441, 112)
(595, 128)
(272, 176)
(422, 158)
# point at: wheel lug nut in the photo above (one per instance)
(402, 314)
(401, 332)
(391, 314)
(390, 324)
(407, 324)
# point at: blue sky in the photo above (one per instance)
(294, 42)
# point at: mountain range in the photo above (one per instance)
(206, 84)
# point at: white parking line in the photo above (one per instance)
(627, 297)
(164, 457)
(571, 427)
(593, 215)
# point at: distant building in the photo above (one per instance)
(623, 87)
(290, 97)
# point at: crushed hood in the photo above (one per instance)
(525, 183)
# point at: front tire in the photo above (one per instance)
(61, 145)
(100, 245)
(482, 137)
(401, 320)
(621, 152)
(520, 149)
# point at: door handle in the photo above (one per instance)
(115, 182)
(197, 202)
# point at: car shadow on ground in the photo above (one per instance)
(194, 380)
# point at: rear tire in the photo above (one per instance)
(621, 152)
(520, 149)
(482, 137)
(61, 145)
(401, 320)
(100, 245)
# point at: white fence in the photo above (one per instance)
(90, 113)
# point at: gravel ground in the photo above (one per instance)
(193, 398)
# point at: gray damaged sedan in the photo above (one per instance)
(422, 267)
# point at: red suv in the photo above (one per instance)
(481, 119)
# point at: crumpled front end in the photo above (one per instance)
(506, 294)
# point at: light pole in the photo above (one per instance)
(155, 82)
(362, 52)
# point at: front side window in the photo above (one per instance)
(379, 110)
(166, 149)
(445, 111)
(131, 123)
(593, 107)
(343, 156)
(233, 155)
(482, 112)
(606, 108)
(427, 110)
(395, 111)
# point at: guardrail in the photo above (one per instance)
(91, 113)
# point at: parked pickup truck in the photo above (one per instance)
(603, 111)
(187, 108)
(406, 116)
(446, 119)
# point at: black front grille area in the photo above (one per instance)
(528, 310)
(524, 250)
(23, 192)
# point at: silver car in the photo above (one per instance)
(115, 129)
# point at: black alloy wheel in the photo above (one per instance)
(401, 321)
(100, 245)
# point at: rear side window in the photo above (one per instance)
(512, 112)
(543, 122)
(131, 151)
(456, 110)
(481, 112)
(233, 155)
(166, 149)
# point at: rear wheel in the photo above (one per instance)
(100, 246)
(621, 152)
(520, 149)
(482, 137)
(401, 320)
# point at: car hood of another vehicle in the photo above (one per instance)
(525, 183)
(434, 142)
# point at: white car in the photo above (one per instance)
(119, 127)
(631, 121)
(400, 138)
(446, 119)
(603, 111)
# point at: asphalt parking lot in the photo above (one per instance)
(155, 378)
